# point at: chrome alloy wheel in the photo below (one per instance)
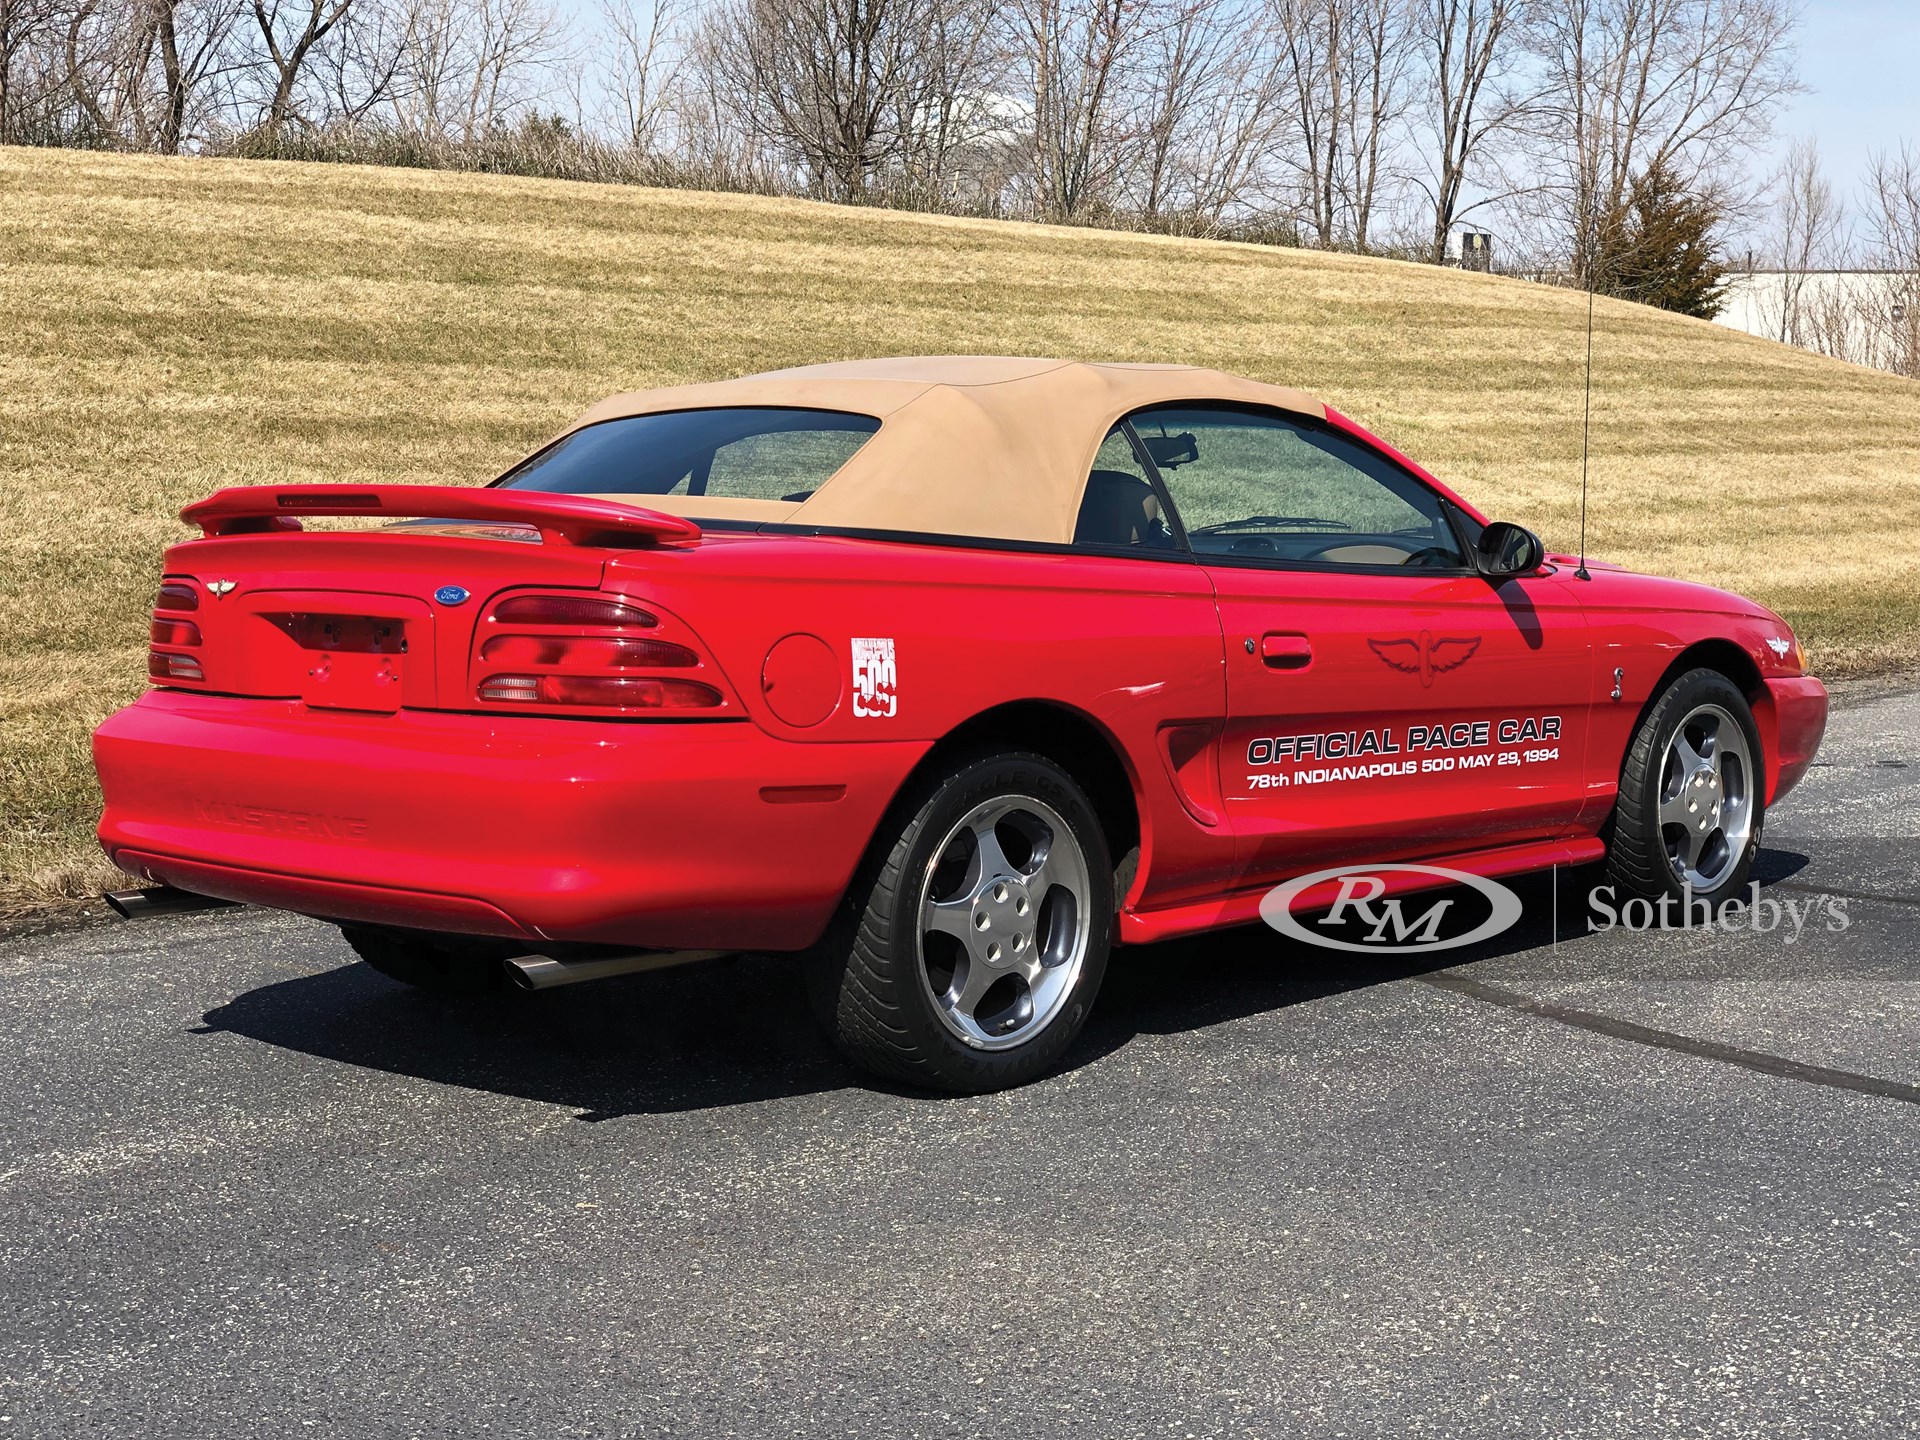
(1708, 792)
(1003, 922)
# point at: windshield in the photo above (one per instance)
(759, 454)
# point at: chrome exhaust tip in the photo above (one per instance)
(544, 972)
(160, 900)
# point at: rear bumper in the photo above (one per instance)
(681, 836)
(1799, 722)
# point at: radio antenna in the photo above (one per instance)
(1586, 415)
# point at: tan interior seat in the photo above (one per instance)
(1118, 509)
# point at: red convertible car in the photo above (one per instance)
(946, 674)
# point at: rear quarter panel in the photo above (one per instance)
(1130, 644)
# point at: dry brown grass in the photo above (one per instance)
(169, 326)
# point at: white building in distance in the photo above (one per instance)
(1870, 317)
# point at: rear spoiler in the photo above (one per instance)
(560, 519)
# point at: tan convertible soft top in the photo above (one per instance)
(986, 446)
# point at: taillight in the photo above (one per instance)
(168, 635)
(628, 692)
(162, 666)
(587, 652)
(571, 610)
(583, 652)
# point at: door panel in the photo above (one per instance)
(1397, 715)
(1384, 699)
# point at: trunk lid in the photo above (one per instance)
(356, 622)
(374, 620)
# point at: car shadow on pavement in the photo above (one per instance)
(736, 1031)
(724, 1032)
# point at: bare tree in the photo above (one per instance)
(1070, 57)
(1214, 110)
(105, 70)
(1312, 37)
(947, 111)
(642, 67)
(97, 47)
(25, 27)
(1377, 56)
(473, 66)
(140, 73)
(290, 29)
(1807, 238)
(195, 42)
(1892, 224)
(1182, 66)
(426, 105)
(1684, 88)
(1346, 63)
(363, 66)
(1469, 50)
(1328, 119)
(712, 136)
(512, 45)
(825, 81)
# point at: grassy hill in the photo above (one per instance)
(170, 326)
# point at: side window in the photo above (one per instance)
(1257, 486)
(1120, 506)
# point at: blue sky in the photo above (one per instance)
(1860, 60)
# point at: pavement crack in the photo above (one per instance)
(1761, 1063)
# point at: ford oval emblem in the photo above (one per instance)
(450, 595)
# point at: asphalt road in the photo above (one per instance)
(1573, 1184)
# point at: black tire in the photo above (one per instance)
(868, 979)
(1638, 862)
(445, 964)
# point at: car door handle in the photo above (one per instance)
(1286, 652)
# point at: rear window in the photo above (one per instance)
(764, 453)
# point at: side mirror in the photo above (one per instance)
(1508, 550)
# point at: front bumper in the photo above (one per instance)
(1798, 721)
(670, 835)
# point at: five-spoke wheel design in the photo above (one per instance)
(1693, 795)
(1706, 797)
(1004, 921)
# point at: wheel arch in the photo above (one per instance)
(1726, 657)
(1071, 739)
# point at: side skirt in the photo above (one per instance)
(1243, 907)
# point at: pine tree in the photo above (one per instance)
(1658, 247)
